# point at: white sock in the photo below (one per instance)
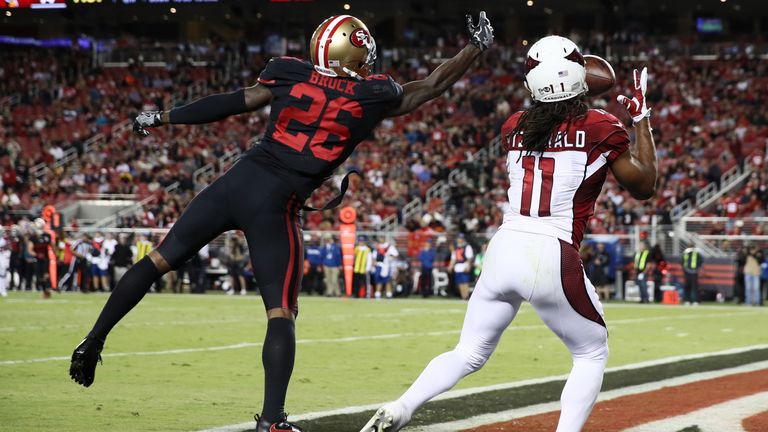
(485, 321)
(580, 391)
(440, 375)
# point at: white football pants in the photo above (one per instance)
(546, 272)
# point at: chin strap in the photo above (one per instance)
(337, 199)
(352, 73)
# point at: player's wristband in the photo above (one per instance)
(209, 109)
(646, 114)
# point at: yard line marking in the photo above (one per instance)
(548, 407)
(726, 416)
(338, 340)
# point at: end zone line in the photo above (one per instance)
(470, 391)
(516, 413)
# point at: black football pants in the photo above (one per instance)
(251, 198)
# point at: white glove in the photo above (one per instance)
(637, 106)
(480, 35)
(145, 120)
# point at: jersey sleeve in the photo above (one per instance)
(385, 88)
(614, 139)
(281, 71)
(507, 128)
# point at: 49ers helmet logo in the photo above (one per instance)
(360, 38)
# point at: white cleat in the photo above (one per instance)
(389, 418)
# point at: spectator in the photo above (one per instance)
(236, 257)
(331, 266)
(122, 258)
(600, 264)
(659, 268)
(313, 278)
(384, 256)
(641, 265)
(764, 280)
(108, 247)
(99, 265)
(195, 267)
(5, 262)
(11, 199)
(427, 256)
(753, 258)
(362, 268)
(692, 262)
(461, 264)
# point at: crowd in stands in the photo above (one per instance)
(35, 257)
(708, 116)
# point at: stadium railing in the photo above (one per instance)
(113, 220)
(711, 193)
(728, 234)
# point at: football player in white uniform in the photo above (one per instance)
(559, 154)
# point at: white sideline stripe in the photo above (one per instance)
(233, 346)
(335, 340)
(726, 416)
(403, 313)
(339, 340)
(549, 406)
(517, 413)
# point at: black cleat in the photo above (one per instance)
(84, 359)
(262, 425)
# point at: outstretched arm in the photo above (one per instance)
(206, 110)
(416, 93)
(636, 170)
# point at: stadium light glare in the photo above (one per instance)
(525, 42)
(529, 2)
(8, 13)
(347, 6)
(173, 10)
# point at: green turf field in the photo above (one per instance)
(185, 362)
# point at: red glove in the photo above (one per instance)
(637, 106)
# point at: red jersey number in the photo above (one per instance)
(547, 168)
(320, 106)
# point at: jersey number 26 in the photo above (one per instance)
(319, 109)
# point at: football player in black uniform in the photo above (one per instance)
(320, 111)
(42, 243)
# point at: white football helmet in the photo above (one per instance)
(554, 70)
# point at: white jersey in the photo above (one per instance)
(384, 255)
(5, 255)
(554, 192)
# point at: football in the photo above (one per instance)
(600, 75)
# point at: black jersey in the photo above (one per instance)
(316, 121)
(40, 244)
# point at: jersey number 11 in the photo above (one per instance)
(547, 168)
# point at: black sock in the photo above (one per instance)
(277, 355)
(127, 294)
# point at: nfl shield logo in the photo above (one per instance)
(562, 74)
